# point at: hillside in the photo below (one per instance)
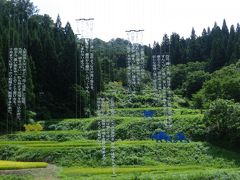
(73, 107)
(73, 145)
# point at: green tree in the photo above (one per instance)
(181, 72)
(230, 46)
(217, 50)
(225, 32)
(205, 45)
(222, 122)
(194, 82)
(224, 84)
(193, 47)
(175, 49)
(165, 45)
(3, 94)
(30, 95)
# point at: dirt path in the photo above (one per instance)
(48, 173)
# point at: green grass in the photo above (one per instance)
(145, 153)
(71, 143)
(61, 135)
(16, 177)
(120, 116)
(7, 165)
(152, 172)
(140, 129)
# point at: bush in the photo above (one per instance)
(45, 135)
(33, 127)
(223, 122)
(224, 84)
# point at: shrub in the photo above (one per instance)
(45, 135)
(33, 127)
(224, 84)
(223, 122)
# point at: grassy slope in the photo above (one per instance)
(144, 153)
(155, 172)
(72, 145)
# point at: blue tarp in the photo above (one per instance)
(163, 136)
(148, 113)
(180, 137)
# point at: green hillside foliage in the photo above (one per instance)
(144, 153)
(222, 120)
(223, 84)
(53, 52)
(205, 93)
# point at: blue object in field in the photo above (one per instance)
(148, 113)
(161, 136)
(180, 137)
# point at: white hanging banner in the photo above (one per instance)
(17, 71)
(135, 59)
(106, 127)
(85, 30)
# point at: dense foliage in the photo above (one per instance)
(224, 84)
(223, 122)
(205, 68)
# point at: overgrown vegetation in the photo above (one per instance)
(144, 153)
(53, 50)
(205, 89)
(152, 173)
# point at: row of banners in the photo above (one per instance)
(105, 106)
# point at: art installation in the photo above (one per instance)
(86, 50)
(17, 83)
(148, 113)
(164, 136)
(180, 137)
(135, 59)
(161, 136)
(106, 127)
(105, 106)
(166, 91)
(162, 83)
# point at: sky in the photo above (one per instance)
(157, 17)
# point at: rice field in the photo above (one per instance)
(9, 165)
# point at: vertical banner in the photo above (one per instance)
(166, 88)
(106, 127)
(135, 60)
(17, 71)
(157, 73)
(162, 83)
(85, 30)
(86, 64)
(112, 135)
(168, 91)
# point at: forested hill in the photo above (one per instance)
(53, 56)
